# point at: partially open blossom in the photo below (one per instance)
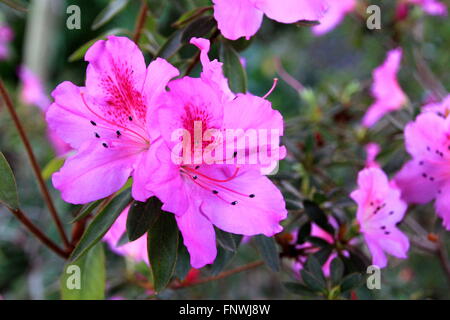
(380, 209)
(386, 90)
(234, 198)
(243, 18)
(106, 121)
(426, 176)
(440, 108)
(337, 11)
(372, 151)
(6, 36)
(136, 250)
(432, 7)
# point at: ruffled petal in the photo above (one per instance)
(237, 18)
(290, 11)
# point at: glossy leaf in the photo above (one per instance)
(86, 210)
(84, 278)
(336, 270)
(226, 240)
(317, 216)
(313, 265)
(233, 69)
(298, 288)
(163, 249)
(183, 261)
(101, 224)
(223, 259)
(8, 187)
(303, 233)
(110, 11)
(350, 282)
(141, 216)
(267, 248)
(312, 282)
(198, 28)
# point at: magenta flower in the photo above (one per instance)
(106, 121)
(432, 7)
(385, 89)
(6, 36)
(440, 108)
(426, 176)
(234, 198)
(336, 13)
(372, 151)
(380, 209)
(136, 250)
(33, 92)
(243, 18)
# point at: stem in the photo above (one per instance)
(38, 233)
(34, 163)
(221, 275)
(142, 17)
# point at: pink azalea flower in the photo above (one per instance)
(237, 199)
(337, 11)
(432, 7)
(426, 176)
(136, 250)
(33, 92)
(380, 208)
(106, 121)
(6, 36)
(372, 151)
(440, 108)
(385, 89)
(243, 18)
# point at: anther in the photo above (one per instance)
(105, 145)
(93, 123)
(234, 203)
(215, 191)
(195, 177)
(252, 195)
(130, 118)
(97, 135)
(118, 133)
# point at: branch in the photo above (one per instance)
(38, 233)
(34, 164)
(142, 17)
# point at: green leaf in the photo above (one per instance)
(198, 28)
(142, 216)
(307, 23)
(110, 11)
(17, 5)
(298, 288)
(54, 165)
(303, 233)
(316, 215)
(223, 258)
(87, 209)
(162, 248)
(84, 279)
(232, 68)
(313, 266)
(81, 51)
(268, 249)
(323, 254)
(101, 224)
(352, 281)
(315, 284)
(336, 270)
(189, 16)
(183, 261)
(171, 46)
(226, 240)
(8, 187)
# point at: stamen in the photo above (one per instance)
(97, 135)
(105, 145)
(93, 123)
(212, 179)
(275, 81)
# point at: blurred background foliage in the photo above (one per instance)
(323, 93)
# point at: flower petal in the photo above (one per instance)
(290, 11)
(443, 205)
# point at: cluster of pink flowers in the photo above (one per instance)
(121, 125)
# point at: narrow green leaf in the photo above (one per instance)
(313, 265)
(81, 51)
(316, 215)
(171, 46)
(110, 11)
(336, 270)
(232, 68)
(8, 187)
(352, 281)
(142, 216)
(54, 165)
(312, 282)
(298, 288)
(87, 209)
(84, 279)
(303, 232)
(223, 258)
(183, 261)
(198, 28)
(226, 240)
(162, 250)
(307, 23)
(268, 250)
(323, 254)
(101, 224)
(189, 16)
